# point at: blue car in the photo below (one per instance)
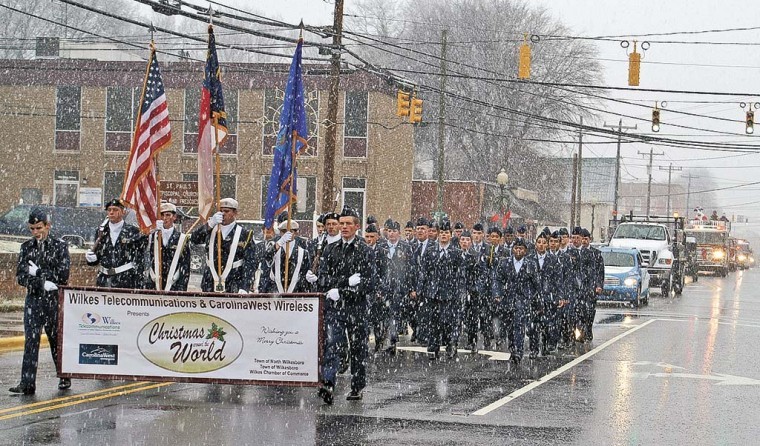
(625, 279)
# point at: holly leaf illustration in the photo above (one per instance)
(216, 332)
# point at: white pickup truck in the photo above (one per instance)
(655, 243)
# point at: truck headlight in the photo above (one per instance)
(665, 261)
(630, 282)
(742, 257)
(718, 254)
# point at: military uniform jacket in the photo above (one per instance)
(271, 261)
(442, 272)
(591, 274)
(552, 279)
(473, 271)
(182, 269)
(399, 277)
(246, 256)
(416, 261)
(573, 278)
(52, 257)
(129, 247)
(379, 268)
(517, 289)
(568, 278)
(338, 264)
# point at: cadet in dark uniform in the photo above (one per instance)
(175, 253)
(516, 287)
(458, 229)
(496, 252)
(522, 233)
(378, 312)
(563, 333)
(442, 276)
(345, 275)
(298, 260)
(544, 333)
(473, 276)
(419, 246)
(43, 264)
(119, 251)
(239, 253)
(397, 283)
(592, 274)
(409, 232)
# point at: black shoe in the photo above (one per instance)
(343, 368)
(472, 348)
(487, 345)
(355, 395)
(516, 360)
(451, 351)
(326, 393)
(379, 344)
(64, 383)
(22, 390)
(413, 338)
(391, 349)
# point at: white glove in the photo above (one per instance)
(91, 257)
(333, 294)
(50, 286)
(33, 268)
(311, 277)
(242, 291)
(354, 280)
(160, 224)
(215, 220)
(284, 239)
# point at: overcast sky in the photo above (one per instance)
(670, 66)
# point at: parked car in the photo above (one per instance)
(76, 225)
(625, 277)
(198, 254)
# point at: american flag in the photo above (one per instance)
(152, 134)
(209, 136)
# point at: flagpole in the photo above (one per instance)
(294, 137)
(159, 262)
(215, 121)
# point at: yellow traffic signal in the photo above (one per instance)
(416, 112)
(655, 119)
(750, 129)
(523, 68)
(634, 66)
(402, 103)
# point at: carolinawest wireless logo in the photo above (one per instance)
(190, 342)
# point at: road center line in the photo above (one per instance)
(517, 393)
(71, 397)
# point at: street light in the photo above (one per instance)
(502, 179)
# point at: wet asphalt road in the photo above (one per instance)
(680, 370)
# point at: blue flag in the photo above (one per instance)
(291, 139)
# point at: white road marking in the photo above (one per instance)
(724, 380)
(493, 356)
(517, 393)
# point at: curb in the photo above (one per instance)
(14, 343)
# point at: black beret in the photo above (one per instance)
(563, 231)
(331, 216)
(466, 233)
(37, 215)
(459, 225)
(495, 229)
(321, 219)
(388, 222)
(477, 227)
(522, 228)
(348, 212)
(282, 217)
(371, 220)
(371, 229)
(422, 221)
(577, 230)
(445, 225)
(394, 225)
(115, 202)
(409, 224)
(585, 233)
(542, 235)
(509, 230)
(555, 234)
(546, 230)
(520, 242)
(434, 224)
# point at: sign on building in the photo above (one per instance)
(180, 193)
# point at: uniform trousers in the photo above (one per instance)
(40, 312)
(346, 323)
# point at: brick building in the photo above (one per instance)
(68, 125)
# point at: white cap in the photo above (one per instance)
(284, 225)
(230, 203)
(168, 207)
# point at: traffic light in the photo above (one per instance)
(523, 68)
(415, 116)
(634, 66)
(750, 129)
(402, 103)
(655, 119)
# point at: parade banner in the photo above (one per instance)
(190, 337)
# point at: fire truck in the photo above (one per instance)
(713, 244)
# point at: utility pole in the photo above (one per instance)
(649, 172)
(580, 174)
(670, 170)
(617, 164)
(688, 194)
(441, 122)
(574, 188)
(331, 131)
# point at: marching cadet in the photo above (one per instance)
(516, 286)
(239, 258)
(481, 301)
(330, 235)
(477, 237)
(378, 313)
(592, 273)
(563, 331)
(409, 232)
(291, 250)
(475, 297)
(573, 284)
(522, 233)
(509, 238)
(419, 246)
(496, 252)
(545, 328)
(442, 277)
(43, 265)
(118, 251)
(315, 241)
(397, 283)
(345, 275)
(458, 229)
(174, 259)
